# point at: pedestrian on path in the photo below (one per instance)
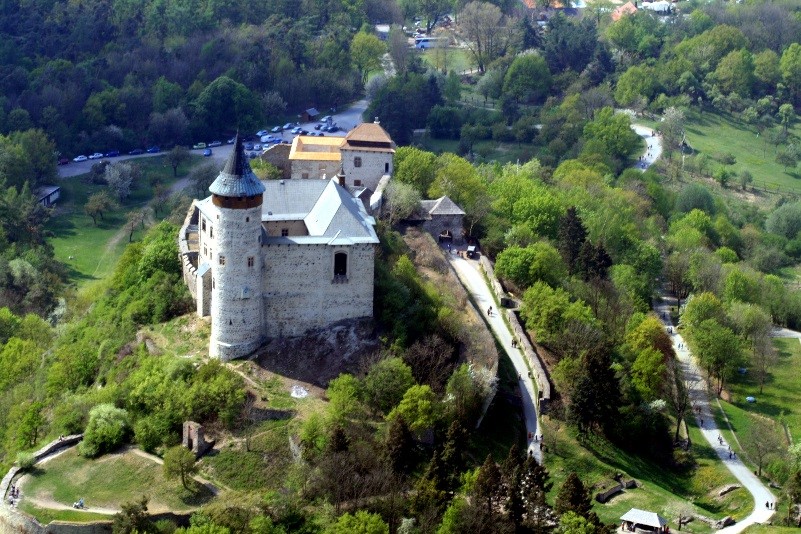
(489, 311)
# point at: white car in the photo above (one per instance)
(96, 155)
(257, 147)
(79, 159)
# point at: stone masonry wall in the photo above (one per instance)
(278, 155)
(236, 306)
(372, 169)
(300, 292)
(534, 360)
(188, 269)
(440, 223)
(314, 170)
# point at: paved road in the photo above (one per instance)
(347, 119)
(653, 143)
(706, 422)
(472, 278)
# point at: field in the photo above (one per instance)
(661, 490)
(90, 251)
(715, 133)
(107, 482)
(448, 59)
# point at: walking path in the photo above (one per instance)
(653, 142)
(706, 423)
(472, 279)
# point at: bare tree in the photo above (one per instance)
(135, 218)
(672, 128)
(481, 23)
(761, 441)
(763, 358)
(201, 178)
(119, 177)
(176, 156)
(398, 46)
(677, 394)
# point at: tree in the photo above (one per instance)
(672, 128)
(677, 270)
(418, 407)
(786, 116)
(107, 429)
(273, 104)
(572, 234)
(398, 47)
(38, 149)
(786, 158)
(414, 166)
(636, 82)
(735, 73)
(761, 441)
(718, 349)
(386, 383)
(176, 156)
(482, 24)
(527, 266)
(528, 79)
(361, 522)
(226, 105)
(572, 523)
(793, 491)
(488, 484)
(365, 51)
(135, 218)
(120, 177)
(179, 462)
(201, 178)
(790, 66)
(98, 204)
(30, 425)
(169, 127)
(402, 200)
(574, 497)
(344, 394)
(595, 397)
(399, 446)
(132, 518)
(614, 131)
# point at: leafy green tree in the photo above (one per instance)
(418, 407)
(701, 307)
(176, 156)
(735, 73)
(132, 518)
(528, 78)
(549, 312)
(718, 348)
(30, 425)
(361, 522)
(790, 67)
(365, 51)
(614, 131)
(344, 396)
(762, 441)
(402, 200)
(97, 204)
(636, 82)
(535, 263)
(108, 428)
(179, 462)
(595, 397)
(572, 235)
(226, 105)
(385, 384)
(570, 45)
(648, 374)
(572, 523)
(785, 220)
(166, 95)
(39, 150)
(416, 167)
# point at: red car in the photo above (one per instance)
(63, 161)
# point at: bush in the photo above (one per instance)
(25, 460)
(107, 429)
(150, 432)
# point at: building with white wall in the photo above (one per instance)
(275, 258)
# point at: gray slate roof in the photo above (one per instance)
(237, 178)
(440, 206)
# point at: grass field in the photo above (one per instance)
(781, 399)
(108, 482)
(716, 133)
(46, 515)
(449, 59)
(661, 490)
(93, 252)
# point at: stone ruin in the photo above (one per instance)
(194, 440)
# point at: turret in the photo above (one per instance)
(236, 293)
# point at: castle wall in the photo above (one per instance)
(438, 224)
(236, 309)
(314, 169)
(374, 165)
(301, 292)
(294, 228)
(278, 155)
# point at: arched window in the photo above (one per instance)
(340, 264)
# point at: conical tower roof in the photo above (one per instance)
(237, 178)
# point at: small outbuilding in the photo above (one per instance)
(310, 115)
(626, 9)
(441, 218)
(636, 520)
(47, 195)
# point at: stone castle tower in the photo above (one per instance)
(236, 287)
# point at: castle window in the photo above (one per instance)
(340, 264)
(205, 251)
(251, 261)
(247, 219)
(386, 167)
(222, 259)
(357, 161)
(212, 283)
(203, 225)
(284, 232)
(211, 231)
(305, 175)
(357, 183)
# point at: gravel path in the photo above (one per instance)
(706, 422)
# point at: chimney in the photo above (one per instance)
(377, 121)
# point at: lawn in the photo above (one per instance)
(661, 490)
(46, 515)
(108, 482)
(781, 399)
(88, 250)
(716, 133)
(448, 59)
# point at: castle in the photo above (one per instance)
(278, 257)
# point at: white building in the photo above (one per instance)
(276, 258)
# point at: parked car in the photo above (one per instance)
(63, 161)
(257, 146)
(326, 120)
(112, 153)
(198, 146)
(215, 143)
(252, 155)
(207, 152)
(79, 159)
(96, 155)
(267, 139)
(318, 126)
(304, 132)
(276, 129)
(333, 128)
(153, 150)
(288, 126)
(231, 141)
(136, 152)
(262, 132)
(248, 146)
(295, 130)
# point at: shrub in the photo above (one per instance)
(25, 460)
(108, 428)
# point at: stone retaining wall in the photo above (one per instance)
(535, 362)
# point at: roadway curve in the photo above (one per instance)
(706, 422)
(472, 278)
